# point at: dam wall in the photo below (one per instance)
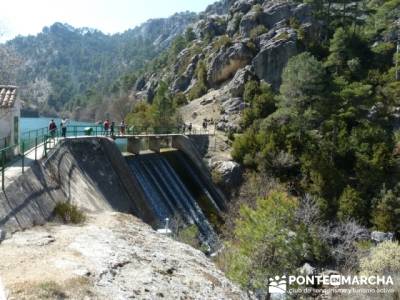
(193, 148)
(89, 172)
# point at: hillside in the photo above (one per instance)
(304, 96)
(62, 66)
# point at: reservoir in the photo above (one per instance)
(42, 122)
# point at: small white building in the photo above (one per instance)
(10, 113)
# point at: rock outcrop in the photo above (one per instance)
(229, 171)
(227, 61)
(112, 256)
(274, 55)
(237, 84)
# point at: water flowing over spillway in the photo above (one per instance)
(174, 188)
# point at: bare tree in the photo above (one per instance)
(342, 239)
(120, 107)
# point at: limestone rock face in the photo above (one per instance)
(233, 24)
(379, 236)
(230, 171)
(274, 55)
(112, 256)
(242, 6)
(233, 105)
(183, 81)
(249, 21)
(211, 25)
(227, 61)
(237, 84)
(275, 12)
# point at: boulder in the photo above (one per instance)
(147, 93)
(249, 21)
(303, 13)
(230, 172)
(233, 106)
(307, 270)
(242, 6)
(210, 26)
(183, 81)
(227, 61)
(379, 236)
(275, 12)
(140, 83)
(237, 84)
(273, 57)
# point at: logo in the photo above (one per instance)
(277, 285)
(284, 284)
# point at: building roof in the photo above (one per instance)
(8, 96)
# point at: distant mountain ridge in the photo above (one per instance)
(62, 62)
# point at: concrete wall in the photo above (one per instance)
(186, 145)
(7, 129)
(90, 173)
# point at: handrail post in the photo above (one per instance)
(3, 166)
(23, 156)
(36, 148)
(45, 145)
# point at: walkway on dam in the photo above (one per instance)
(23, 163)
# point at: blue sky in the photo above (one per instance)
(30, 16)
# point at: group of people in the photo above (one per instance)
(189, 128)
(63, 125)
(109, 127)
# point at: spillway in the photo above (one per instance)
(174, 188)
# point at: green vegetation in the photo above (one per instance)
(258, 30)
(252, 256)
(69, 213)
(200, 87)
(222, 42)
(189, 235)
(328, 130)
(160, 114)
(327, 135)
(51, 290)
(384, 259)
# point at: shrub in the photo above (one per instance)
(200, 87)
(265, 242)
(180, 99)
(384, 259)
(386, 212)
(351, 205)
(189, 235)
(69, 213)
(222, 42)
(256, 31)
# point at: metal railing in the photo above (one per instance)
(33, 140)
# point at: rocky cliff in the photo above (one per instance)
(233, 42)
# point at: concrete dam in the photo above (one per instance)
(93, 174)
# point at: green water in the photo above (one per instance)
(37, 123)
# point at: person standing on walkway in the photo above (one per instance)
(112, 128)
(190, 128)
(52, 128)
(64, 123)
(106, 126)
(122, 127)
(184, 128)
